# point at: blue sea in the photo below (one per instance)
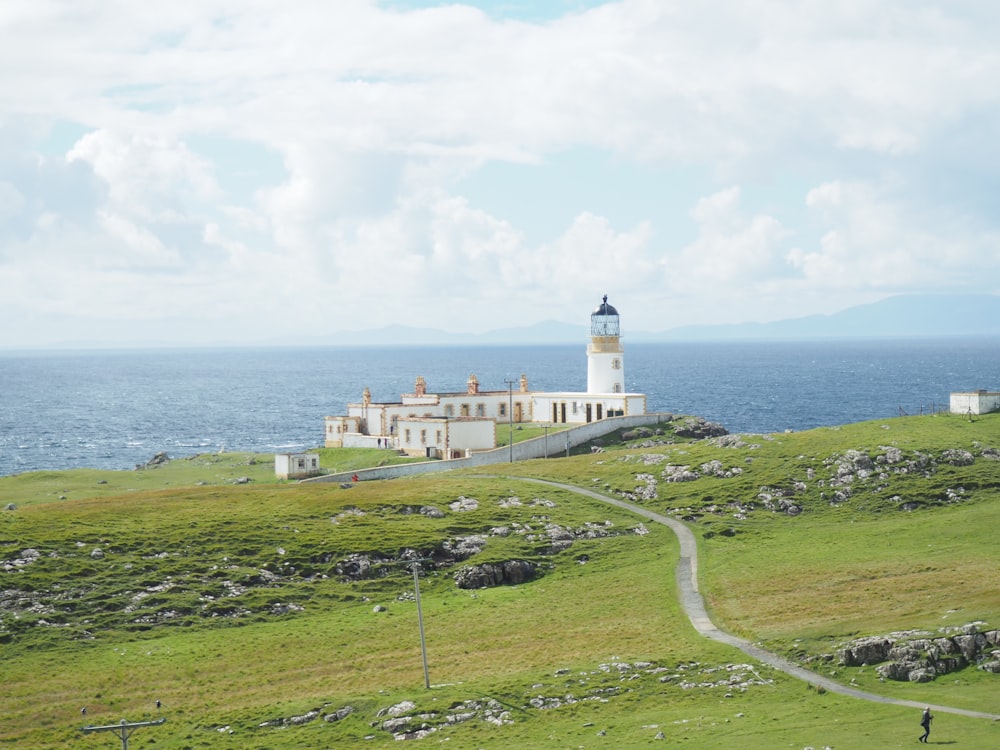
(115, 409)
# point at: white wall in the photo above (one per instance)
(536, 448)
(287, 465)
(335, 428)
(974, 402)
(473, 435)
(602, 377)
(576, 405)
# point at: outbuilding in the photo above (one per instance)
(974, 402)
(296, 465)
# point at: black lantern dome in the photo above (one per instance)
(604, 320)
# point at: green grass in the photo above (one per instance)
(209, 469)
(179, 610)
(336, 460)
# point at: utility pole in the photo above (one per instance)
(420, 623)
(510, 414)
(124, 729)
(420, 613)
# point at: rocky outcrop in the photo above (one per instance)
(510, 572)
(920, 657)
(290, 721)
(158, 460)
(607, 682)
(865, 651)
(699, 428)
(639, 433)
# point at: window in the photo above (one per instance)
(503, 409)
(465, 410)
(407, 435)
(616, 364)
(449, 410)
(480, 410)
(438, 437)
(618, 388)
(423, 437)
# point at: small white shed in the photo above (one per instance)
(294, 465)
(974, 402)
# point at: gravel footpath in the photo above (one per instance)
(694, 606)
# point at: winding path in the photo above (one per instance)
(694, 606)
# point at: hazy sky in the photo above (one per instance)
(240, 171)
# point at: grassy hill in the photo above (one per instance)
(269, 614)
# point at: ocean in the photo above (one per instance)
(115, 409)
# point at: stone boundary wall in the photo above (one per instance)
(558, 443)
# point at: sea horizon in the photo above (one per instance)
(115, 408)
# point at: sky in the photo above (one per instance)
(254, 172)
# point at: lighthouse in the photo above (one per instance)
(605, 356)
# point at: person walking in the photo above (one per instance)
(925, 722)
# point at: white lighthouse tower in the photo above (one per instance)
(605, 356)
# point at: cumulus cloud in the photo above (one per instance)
(873, 241)
(732, 249)
(785, 154)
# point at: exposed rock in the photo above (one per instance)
(673, 473)
(866, 651)
(644, 491)
(487, 575)
(304, 718)
(97, 554)
(699, 429)
(957, 457)
(991, 666)
(298, 720)
(639, 433)
(158, 460)
(355, 567)
(10, 506)
(464, 504)
(339, 714)
(970, 645)
(397, 709)
(394, 726)
(914, 658)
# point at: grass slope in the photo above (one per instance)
(229, 605)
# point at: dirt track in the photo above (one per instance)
(694, 606)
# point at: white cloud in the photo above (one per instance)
(788, 154)
(149, 176)
(873, 242)
(731, 249)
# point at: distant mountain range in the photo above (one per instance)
(904, 316)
